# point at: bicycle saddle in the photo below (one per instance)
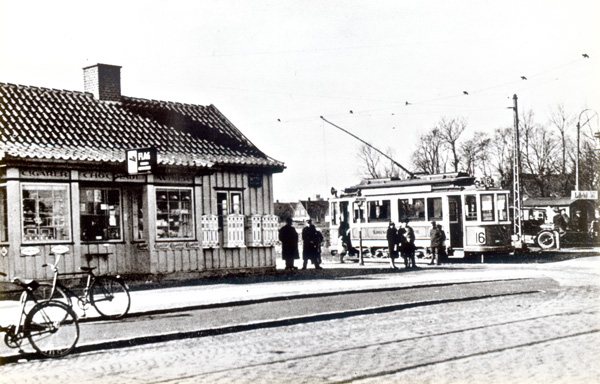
(87, 269)
(29, 284)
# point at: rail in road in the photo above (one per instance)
(217, 319)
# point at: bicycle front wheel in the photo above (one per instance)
(110, 297)
(42, 293)
(52, 328)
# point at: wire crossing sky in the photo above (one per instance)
(386, 70)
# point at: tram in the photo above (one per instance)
(474, 216)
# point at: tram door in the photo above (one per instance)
(455, 218)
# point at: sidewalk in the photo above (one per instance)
(333, 278)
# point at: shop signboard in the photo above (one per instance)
(141, 160)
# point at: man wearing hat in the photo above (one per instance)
(311, 243)
(436, 243)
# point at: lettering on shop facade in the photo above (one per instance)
(54, 174)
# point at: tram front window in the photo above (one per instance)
(471, 207)
(487, 207)
(502, 208)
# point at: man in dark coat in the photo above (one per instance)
(408, 245)
(392, 239)
(289, 244)
(310, 245)
(436, 242)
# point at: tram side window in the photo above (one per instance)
(502, 208)
(379, 210)
(487, 207)
(434, 209)
(359, 213)
(411, 212)
(471, 207)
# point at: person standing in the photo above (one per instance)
(344, 237)
(442, 248)
(289, 244)
(392, 240)
(310, 241)
(435, 238)
(409, 235)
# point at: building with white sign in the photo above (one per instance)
(65, 179)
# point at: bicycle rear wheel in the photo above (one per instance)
(52, 328)
(110, 297)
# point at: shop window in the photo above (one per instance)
(3, 215)
(471, 207)
(137, 204)
(487, 207)
(100, 214)
(45, 212)
(434, 209)
(228, 203)
(379, 210)
(503, 208)
(174, 213)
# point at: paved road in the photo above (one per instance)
(548, 333)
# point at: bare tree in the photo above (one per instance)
(540, 148)
(501, 154)
(428, 157)
(374, 165)
(475, 154)
(450, 131)
(561, 120)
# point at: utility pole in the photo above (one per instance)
(517, 198)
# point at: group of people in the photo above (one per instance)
(312, 240)
(401, 242)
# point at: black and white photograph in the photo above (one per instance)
(300, 191)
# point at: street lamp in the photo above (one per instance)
(578, 131)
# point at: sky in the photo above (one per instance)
(275, 67)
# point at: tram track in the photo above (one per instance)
(126, 342)
(415, 339)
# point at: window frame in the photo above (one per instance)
(372, 206)
(68, 225)
(105, 190)
(488, 215)
(191, 209)
(229, 205)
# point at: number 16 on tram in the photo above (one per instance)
(474, 217)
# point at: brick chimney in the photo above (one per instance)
(103, 81)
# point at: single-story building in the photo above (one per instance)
(131, 186)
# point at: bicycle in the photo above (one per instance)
(50, 326)
(109, 295)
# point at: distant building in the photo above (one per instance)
(131, 186)
(317, 210)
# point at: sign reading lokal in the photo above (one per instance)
(141, 160)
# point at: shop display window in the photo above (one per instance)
(100, 214)
(174, 213)
(45, 213)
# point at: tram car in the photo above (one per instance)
(474, 216)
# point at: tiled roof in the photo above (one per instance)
(41, 123)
